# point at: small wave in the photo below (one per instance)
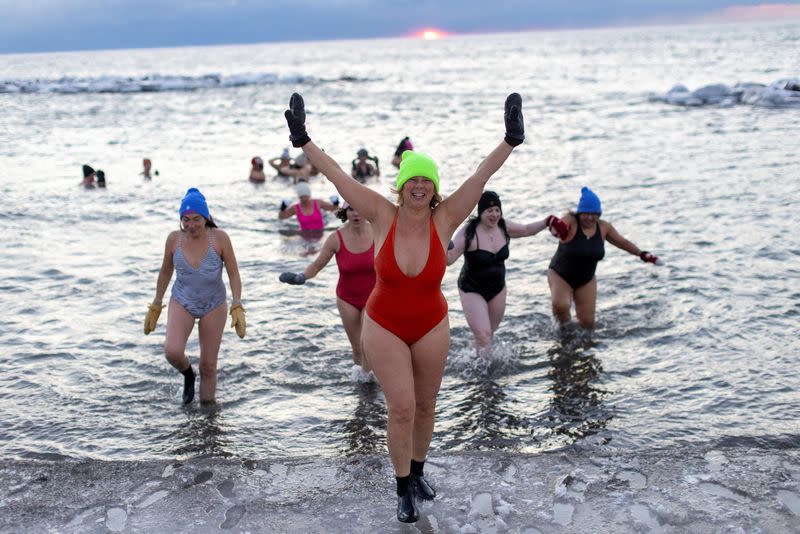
(780, 93)
(155, 83)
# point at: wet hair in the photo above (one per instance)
(472, 224)
(341, 214)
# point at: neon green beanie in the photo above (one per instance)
(417, 164)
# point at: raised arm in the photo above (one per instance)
(368, 202)
(460, 204)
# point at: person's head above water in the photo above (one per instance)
(303, 189)
(489, 199)
(417, 164)
(589, 202)
(194, 202)
(362, 153)
(87, 171)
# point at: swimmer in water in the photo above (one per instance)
(571, 275)
(354, 248)
(88, 177)
(362, 168)
(308, 210)
(406, 333)
(405, 144)
(257, 170)
(197, 252)
(484, 241)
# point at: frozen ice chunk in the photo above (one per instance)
(115, 519)
(481, 506)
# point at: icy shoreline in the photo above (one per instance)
(685, 490)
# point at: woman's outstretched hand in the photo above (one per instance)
(296, 119)
(515, 126)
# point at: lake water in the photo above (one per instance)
(702, 351)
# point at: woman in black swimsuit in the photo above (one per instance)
(482, 282)
(571, 273)
(362, 168)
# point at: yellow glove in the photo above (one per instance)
(237, 319)
(150, 320)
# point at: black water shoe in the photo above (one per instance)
(188, 385)
(421, 487)
(407, 511)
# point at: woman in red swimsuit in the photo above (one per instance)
(354, 248)
(406, 333)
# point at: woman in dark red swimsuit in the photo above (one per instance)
(354, 249)
(406, 332)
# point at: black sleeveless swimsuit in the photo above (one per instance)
(576, 260)
(362, 174)
(483, 272)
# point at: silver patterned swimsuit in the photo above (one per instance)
(198, 290)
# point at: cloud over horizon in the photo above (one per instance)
(55, 25)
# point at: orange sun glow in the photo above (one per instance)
(431, 34)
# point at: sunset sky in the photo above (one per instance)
(52, 25)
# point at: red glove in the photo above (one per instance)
(649, 258)
(557, 227)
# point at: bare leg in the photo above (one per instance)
(179, 326)
(211, 327)
(585, 302)
(497, 309)
(560, 296)
(390, 358)
(351, 319)
(476, 311)
(428, 356)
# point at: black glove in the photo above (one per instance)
(515, 127)
(334, 200)
(296, 119)
(451, 245)
(285, 204)
(295, 279)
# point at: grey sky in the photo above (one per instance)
(50, 25)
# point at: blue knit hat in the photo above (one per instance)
(589, 202)
(194, 201)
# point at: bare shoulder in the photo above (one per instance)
(606, 227)
(172, 238)
(222, 237)
(332, 241)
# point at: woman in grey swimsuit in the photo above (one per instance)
(197, 253)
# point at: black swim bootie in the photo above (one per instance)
(188, 385)
(421, 487)
(407, 511)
